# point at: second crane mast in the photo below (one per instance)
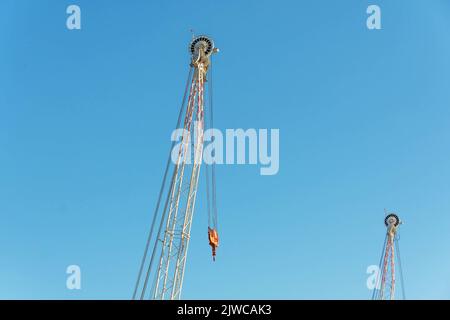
(386, 279)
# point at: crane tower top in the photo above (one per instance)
(392, 221)
(201, 48)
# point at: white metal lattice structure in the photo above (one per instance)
(166, 264)
(390, 257)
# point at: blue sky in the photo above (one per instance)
(85, 123)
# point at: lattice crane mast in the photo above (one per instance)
(164, 261)
(390, 257)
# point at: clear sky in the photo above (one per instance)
(85, 123)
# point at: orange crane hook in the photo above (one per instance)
(213, 238)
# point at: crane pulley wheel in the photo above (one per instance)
(201, 40)
(392, 218)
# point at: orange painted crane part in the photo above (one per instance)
(213, 238)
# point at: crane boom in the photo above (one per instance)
(182, 195)
(172, 238)
(386, 280)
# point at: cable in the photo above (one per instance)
(208, 205)
(144, 287)
(376, 291)
(210, 182)
(208, 125)
(397, 247)
(213, 168)
(155, 214)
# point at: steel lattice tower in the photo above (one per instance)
(167, 260)
(390, 257)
